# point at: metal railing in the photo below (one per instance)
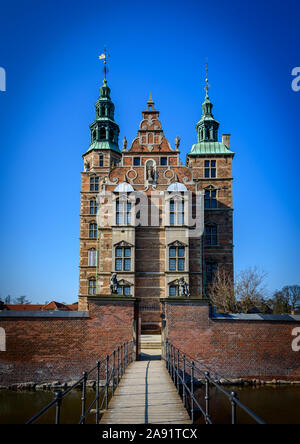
(185, 372)
(111, 368)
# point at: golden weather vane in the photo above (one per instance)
(104, 57)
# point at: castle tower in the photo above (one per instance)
(211, 162)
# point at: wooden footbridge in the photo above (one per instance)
(146, 395)
(153, 390)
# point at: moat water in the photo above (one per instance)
(274, 404)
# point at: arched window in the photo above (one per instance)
(111, 135)
(211, 235)
(123, 211)
(92, 258)
(102, 133)
(93, 230)
(92, 286)
(93, 206)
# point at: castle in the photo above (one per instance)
(159, 253)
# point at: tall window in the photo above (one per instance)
(211, 235)
(92, 286)
(173, 290)
(94, 183)
(210, 169)
(176, 259)
(176, 212)
(101, 160)
(93, 206)
(211, 269)
(124, 290)
(123, 259)
(93, 230)
(210, 199)
(92, 258)
(123, 212)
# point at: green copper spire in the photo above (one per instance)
(104, 130)
(207, 130)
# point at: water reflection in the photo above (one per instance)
(274, 404)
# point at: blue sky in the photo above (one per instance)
(50, 52)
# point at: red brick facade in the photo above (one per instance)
(234, 348)
(52, 348)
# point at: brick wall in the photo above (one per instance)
(234, 348)
(46, 349)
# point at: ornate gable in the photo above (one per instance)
(150, 137)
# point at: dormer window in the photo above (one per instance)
(123, 211)
(177, 211)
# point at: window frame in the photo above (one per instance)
(177, 215)
(92, 287)
(123, 259)
(137, 159)
(94, 183)
(212, 272)
(210, 169)
(212, 236)
(92, 257)
(93, 228)
(210, 203)
(123, 215)
(177, 258)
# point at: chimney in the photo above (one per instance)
(226, 139)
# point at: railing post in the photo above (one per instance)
(169, 352)
(121, 362)
(192, 390)
(124, 357)
(207, 396)
(106, 381)
(172, 362)
(183, 381)
(58, 396)
(166, 352)
(97, 392)
(233, 407)
(178, 387)
(174, 366)
(118, 368)
(113, 371)
(83, 398)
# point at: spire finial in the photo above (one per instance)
(104, 57)
(207, 86)
(150, 103)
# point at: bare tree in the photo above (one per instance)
(221, 292)
(250, 289)
(292, 295)
(22, 300)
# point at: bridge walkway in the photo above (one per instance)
(146, 395)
